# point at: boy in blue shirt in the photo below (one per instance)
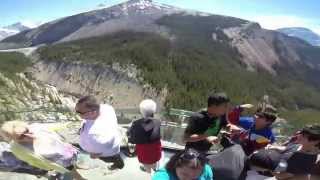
(255, 132)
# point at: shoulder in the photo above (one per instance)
(161, 174)
(207, 172)
(246, 121)
(197, 117)
(106, 107)
(267, 132)
(156, 121)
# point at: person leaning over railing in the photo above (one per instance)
(99, 134)
(32, 143)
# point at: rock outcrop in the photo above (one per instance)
(120, 86)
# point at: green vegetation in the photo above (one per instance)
(11, 62)
(191, 65)
(299, 119)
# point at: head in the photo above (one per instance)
(186, 165)
(264, 117)
(147, 108)
(17, 131)
(218, 104)
(265, 159)
(310, 136)
(88, 108)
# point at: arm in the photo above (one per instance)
(276, 147)
(130, 134)
(283, 175)
(234, 115)
(190, 135)
(200, 137)
(195, 137)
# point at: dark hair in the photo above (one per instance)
(89, 102)
(216, 99)
(189, 156)
(265, 158)
(268, 111)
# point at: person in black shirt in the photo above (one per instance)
(203, 127)
(291, 162)
(145, 133)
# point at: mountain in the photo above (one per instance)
(13, 29)
(177, 54)
(255, 44)
(136, 15)
(302, 33)
(18, 27)
(6, 32)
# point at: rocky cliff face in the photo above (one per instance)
(116, 85)
(258, 47)
(25, 99)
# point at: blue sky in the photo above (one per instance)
(270, 14)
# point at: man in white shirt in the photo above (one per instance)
(99, 135)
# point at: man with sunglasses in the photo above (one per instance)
(99, 134)
(255, 132)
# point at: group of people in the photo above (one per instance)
(248, 146)
(247, 141)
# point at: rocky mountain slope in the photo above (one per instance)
(178, 55)
(259, 48)
(23, 98)
(13, 29)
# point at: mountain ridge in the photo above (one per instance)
(302, 33)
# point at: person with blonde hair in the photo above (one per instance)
(145, 133)
(41, 142)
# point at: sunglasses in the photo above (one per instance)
(189, 155)
(82, 113)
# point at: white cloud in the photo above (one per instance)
(317, 30)
(31, 24)
(280, 21)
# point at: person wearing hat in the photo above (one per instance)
(255, 132)
(286, 162)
